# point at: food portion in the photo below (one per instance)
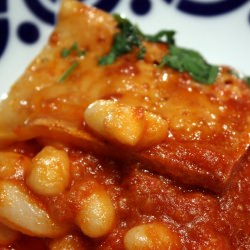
(115, 139)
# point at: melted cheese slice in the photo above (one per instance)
(194, 133)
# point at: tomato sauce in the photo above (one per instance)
(201, 219)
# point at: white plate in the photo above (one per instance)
(219, 29)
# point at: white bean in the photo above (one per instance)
(7, 235)
(13, 165)
(25, 214)
(132, 126)
(114, 121)
(96, 215)
(151, 236)
(50, 172)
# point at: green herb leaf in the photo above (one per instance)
(186, 60)
(129, 37)
(183, 60)
(159, 37)
(68, 71)
(66, 52)
(124, 41)
(247, 79)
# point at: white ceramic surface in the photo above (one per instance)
(219, 29)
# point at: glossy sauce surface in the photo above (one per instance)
(199, 219)
(138, 149)
(197, 116)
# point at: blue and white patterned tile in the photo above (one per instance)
(219, 29)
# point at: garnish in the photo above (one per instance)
(247, 79)
(124, 41)
(192, 62)
(130, 37)
(159, 37)
(181, 59)
(67, 51)
(68, 71)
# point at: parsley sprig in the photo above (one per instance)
(67, 52)
(124, 41)
(130, 37)
(247, 79)
(166, 36)
(66, 74)
(186, 60)
(181, 59)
